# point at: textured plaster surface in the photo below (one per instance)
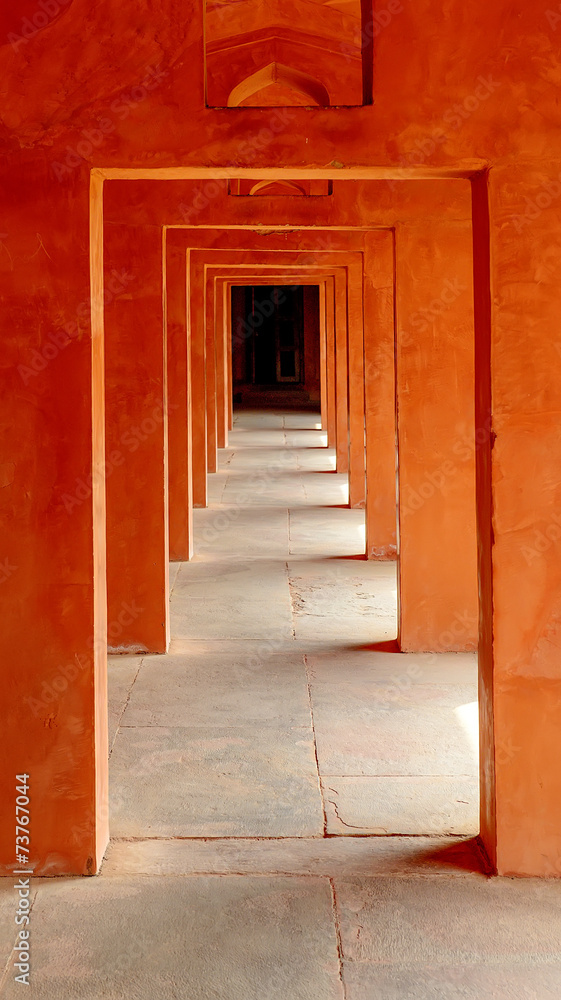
(188, 903)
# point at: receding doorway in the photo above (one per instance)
(275, 351)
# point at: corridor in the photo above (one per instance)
(293, 804)
(271, 716)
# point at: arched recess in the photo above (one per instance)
(274, 74)
(278, 187)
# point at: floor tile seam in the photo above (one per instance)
(461, 875)
(213, 873)
(225, 838)
(250, 638)
(241, 597)
(397, 874)
(288, 585)
(312, 839)
(311, 708)
(401, 774)
(340, 877)
(380, 708)
(336, 917)
(210, 726)
(119, 725)
(386, 835)
(463, 960)
(389, 705)
(172, 585)
(534, 960)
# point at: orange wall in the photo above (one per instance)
(436, 439)
(136, 443)
(179, 403)
(524, 451)
(379, 389)
(307, 275)
(457, 89)
(53, 622)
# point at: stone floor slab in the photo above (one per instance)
(227, 687)
(243, 531)
(327, 530)
(199, 579)
(402, 673)
(267, 497)
(360, 731)
(386, 806)
(231, 618)
(503, 981)
(248, 782)
(207, 938)
(320, 460)
(328, 856)
(121, 674)
(450, 921)
(265, 462)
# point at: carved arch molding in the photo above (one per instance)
(287, 53)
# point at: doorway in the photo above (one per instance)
(275, 344)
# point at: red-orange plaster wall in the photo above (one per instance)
(302, 277)
(53, 543)
(379, 390)
(456, 89)
(349, 366)
(523, 609)
(223, 372)
(436, 440)
(349, 317)
(180, 482)
(216, 285)
(136, 443)
(388, 202)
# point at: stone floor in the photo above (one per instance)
(271, 716)
(293, 806)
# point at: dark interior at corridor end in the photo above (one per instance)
(275, 341)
